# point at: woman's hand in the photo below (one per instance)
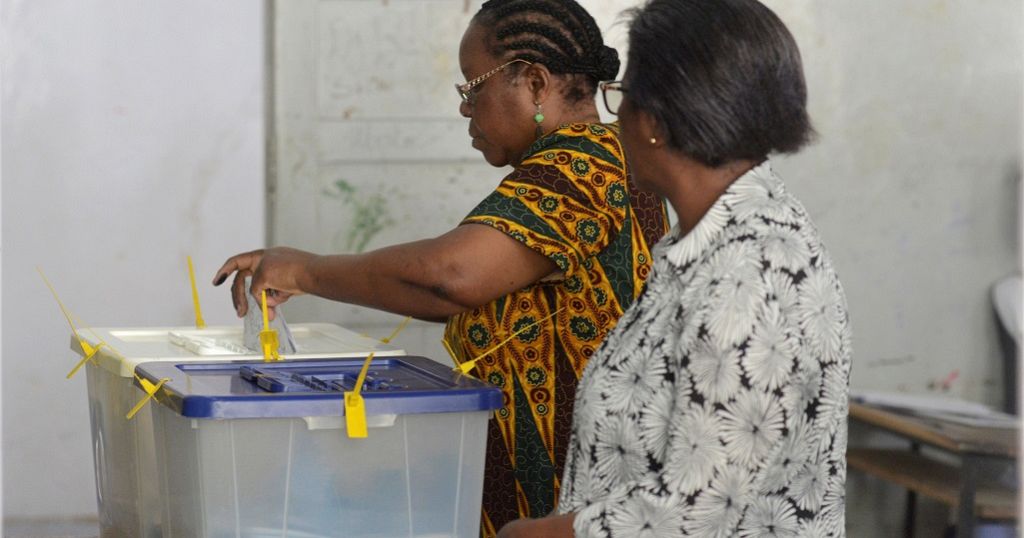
(281, 271)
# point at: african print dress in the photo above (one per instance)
(570, 200)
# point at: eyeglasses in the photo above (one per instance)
(613, 93)
(465, 90)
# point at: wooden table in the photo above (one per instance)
(958, 487)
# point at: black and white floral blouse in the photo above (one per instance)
(717, 406)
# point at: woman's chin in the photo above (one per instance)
(493, 158)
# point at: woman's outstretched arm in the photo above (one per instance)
(430, 279)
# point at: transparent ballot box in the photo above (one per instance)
(261, 449)
(123, 450)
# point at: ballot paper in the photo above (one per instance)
(253, 324)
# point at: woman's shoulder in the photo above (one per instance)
(595, 140)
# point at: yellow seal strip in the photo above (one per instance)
(150, 389)
(88, 351)
(268, 336)
(355, 406)
(396, 331)
(89, 354)
(448, 348)
(200, 324)
(469, 365)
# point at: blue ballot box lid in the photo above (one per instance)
(311, 388)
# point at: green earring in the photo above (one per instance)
(539, 118)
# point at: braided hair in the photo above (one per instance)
(557, 33)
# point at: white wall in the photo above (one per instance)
(3, 47)
(914, 181)
(132, 136)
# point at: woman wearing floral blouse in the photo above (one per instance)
(717, 406)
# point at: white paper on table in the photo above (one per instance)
(940, 407)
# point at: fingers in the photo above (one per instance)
(244, 262)
(256, 288)
(242, 265)
(254, 264)
(238, 292)
(274, 299)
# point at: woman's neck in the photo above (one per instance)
(694, 187)
(584, 112)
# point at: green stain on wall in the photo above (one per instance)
(369, 214)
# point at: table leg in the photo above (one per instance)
(910, 515)
(968, 485)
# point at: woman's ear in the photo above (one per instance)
(648, 128)
(539, 81)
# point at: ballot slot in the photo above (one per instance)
(327, 381)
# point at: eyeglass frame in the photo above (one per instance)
(615, 86)
(464, 88)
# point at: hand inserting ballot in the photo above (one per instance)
(281, 271)
(253, 326)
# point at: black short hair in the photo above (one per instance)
(723, 79)
(560, 34)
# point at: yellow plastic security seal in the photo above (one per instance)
(88, 351)
(470, 364)
(200, 324)
(396, 331)
(268, 336)
(448, 348)
(355, 407)
(150, 389)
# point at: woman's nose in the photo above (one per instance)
(466, 109)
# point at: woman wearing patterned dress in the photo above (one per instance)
(565, 234)
(717, 406)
